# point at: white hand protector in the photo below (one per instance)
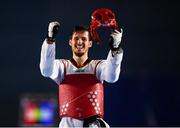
(53, 29)
(116, 39)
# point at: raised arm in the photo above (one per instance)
(49, 66)
(109, 69)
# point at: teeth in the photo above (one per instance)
(79, 47)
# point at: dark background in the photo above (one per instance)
(147, 93)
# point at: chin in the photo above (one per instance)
(79, 54)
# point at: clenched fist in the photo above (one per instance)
(53, 30)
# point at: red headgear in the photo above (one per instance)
(102, 17)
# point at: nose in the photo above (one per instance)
(79, 41)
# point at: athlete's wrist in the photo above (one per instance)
(50, 40)
(115, 52)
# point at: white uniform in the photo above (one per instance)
(107, 70)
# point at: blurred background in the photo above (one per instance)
(148, 90)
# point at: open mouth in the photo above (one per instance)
(79, 47)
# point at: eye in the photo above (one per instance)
(76, 38)
(84, 39)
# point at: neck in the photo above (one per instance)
(80, 60)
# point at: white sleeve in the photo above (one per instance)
(109, 69)
(49, 66)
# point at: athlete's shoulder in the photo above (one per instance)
(97, 61)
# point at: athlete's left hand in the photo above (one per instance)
(115, 39)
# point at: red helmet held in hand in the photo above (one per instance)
(102, 17)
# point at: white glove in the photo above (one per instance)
(116, 39)
(53, 29)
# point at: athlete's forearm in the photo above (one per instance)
(47, 58)
(113, 66)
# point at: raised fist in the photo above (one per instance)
(53, 29)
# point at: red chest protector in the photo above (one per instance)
(81, 95)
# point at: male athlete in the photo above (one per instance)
(80, 79)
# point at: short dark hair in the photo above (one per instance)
(78, 28)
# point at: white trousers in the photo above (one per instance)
(67, 122)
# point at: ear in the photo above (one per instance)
(90, 44)
(70, 42)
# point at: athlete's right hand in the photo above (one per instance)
(53, 30)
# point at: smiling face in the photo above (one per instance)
(80, 43)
